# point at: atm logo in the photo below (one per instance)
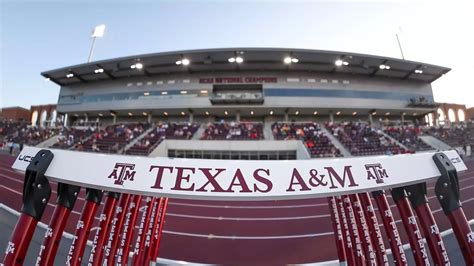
(377, 172)
(122, 172)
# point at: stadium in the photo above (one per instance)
(282, 105)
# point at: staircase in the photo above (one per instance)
(135, 140)
(435, 143)
(267, 131)
(199, 132)
(336, 142)
(393, 140)
(49, 142)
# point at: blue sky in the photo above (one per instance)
(43, 35)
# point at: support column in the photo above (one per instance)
(403, 118)
(331, 117)
(114, 119)
(371, 121)
(237, 116)
(191, 117)
(286, 116)
(66, 120)
(86, 117)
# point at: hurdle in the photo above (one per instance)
(127, 186)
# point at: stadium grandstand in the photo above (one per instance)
(244, 104)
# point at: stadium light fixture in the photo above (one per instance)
(387, 67)
(226, 113)
(76, 115)
(100, 114)
(315, 113)
(345, 63)
(271, 112)
(70, 75)
(130, 114)
(404, 113)
(239, 60)
(184, 92)
(289, 60)
(374, 113)
(145, 113)
(138, 65)
(146, 93)
(338, 113)
(183, 113)
(387, 113)
(354, 113)
(47, 79)
(99, 70)
(164, 93)
(204, 91)
(297, 112)
(207, 113)
(98, 32)
(231, 60)
(185, 61)
(251, 112)
(165, 113)
(418, 71)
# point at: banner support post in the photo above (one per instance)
(337, 228)
(36, 194)
(83, 227)
(408, 218)
(419, 201)
(394, 240)
(447, 192)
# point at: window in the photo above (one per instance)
(451, 115)
(461, 115)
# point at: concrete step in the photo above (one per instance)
(336, 143)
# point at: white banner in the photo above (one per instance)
(237, 180)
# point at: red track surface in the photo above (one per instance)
(269, 232)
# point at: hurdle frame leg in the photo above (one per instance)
(359, 256)
(374, 229)
(83, 227)
(363, 230)
(36, 194)
(418, 249)
(336, 225)
(391, 230)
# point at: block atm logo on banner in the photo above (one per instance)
(377, 172)
(122, 172)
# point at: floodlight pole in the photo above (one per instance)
(92, 49)
(400, 46)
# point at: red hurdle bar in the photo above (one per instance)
(159, 230)
(116, 230)
(447, 192)
(353, 228)
(374, 229)
(363, 230)
(143, 230)
(336, 226)
(83, 228)
(408, 218)
(128, 229)
(105, 220)
(146, 253)
(348, 247)
(67, 195)
(417, 195)
(36, 193)
(394, 240)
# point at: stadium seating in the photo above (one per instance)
(162, 131)
(408, 136)
(314, 139)
(454, 136)
(362, 140)
(233, 131)
(70, 137)
(114, 138)
(22, 133)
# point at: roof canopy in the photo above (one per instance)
(255, 59)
